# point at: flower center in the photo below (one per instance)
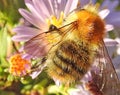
(55, 21)
(19, 66)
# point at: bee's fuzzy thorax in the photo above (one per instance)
(92, 8)
(91, 27)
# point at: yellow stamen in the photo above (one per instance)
(55, 21)
(19, 66)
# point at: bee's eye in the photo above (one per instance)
(52, 27)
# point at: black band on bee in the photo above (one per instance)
(70, 63)
(69, 55)
(65, 69)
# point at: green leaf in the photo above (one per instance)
(10, 78)
(3, 42)
(26, 80)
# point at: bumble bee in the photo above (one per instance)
(72, 49)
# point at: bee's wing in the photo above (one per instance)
(40, 45)
(108, 79)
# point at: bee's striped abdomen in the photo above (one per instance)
(70, 61)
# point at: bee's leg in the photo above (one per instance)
(36, 70)
(43, 60)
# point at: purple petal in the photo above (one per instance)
(114, 19)
(32, 9)
(62, 4)
(32, 19)
(49, 5)
(24, 30)
(71, 5)
(20, 38)
(110, 42)
(94, 1)
(84, 2)
(27, 56)
(58, 6)
(111, 5)
(42, 8)
(25, 33)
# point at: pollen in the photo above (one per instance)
(56, 21)
(19, 66)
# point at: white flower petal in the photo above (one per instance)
(110, 42)
(109, 27)
(117, 40)
(37, 72)
(104, 13)
(118, 51)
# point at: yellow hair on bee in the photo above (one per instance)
(72, 57)
(91, 27)
(92, 8)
